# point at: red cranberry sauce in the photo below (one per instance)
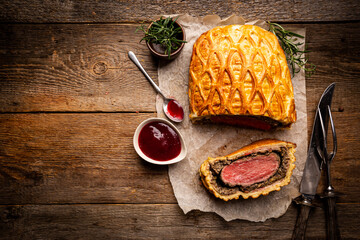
(175, 110)
(159, 141)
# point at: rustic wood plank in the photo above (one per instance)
(76, 158)
(131, 11)
(89, 158)
(138, 221)
(337, 57)
(67, 158)
(73, 68)
(59, 67)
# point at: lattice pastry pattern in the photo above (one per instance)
(240, 70)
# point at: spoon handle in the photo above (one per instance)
(133, 58)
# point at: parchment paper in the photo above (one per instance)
(213, 140)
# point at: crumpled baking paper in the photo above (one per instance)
(211, 140)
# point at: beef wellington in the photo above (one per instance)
(254, 170)
(239, 75)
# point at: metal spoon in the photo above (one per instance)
(172, 108)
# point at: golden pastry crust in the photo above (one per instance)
(240, 70)
(210, 179)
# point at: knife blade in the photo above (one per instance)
(312, 169)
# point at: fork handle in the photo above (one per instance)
(332, 224)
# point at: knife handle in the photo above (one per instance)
(332, 230)
(301, 221)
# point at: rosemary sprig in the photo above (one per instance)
(294, 55)
(163, 32)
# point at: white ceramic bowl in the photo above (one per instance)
(180, 157)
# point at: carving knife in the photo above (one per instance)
(312, 170)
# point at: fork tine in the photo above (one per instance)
(333, 135)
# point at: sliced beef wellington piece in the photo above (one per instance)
(253, 170)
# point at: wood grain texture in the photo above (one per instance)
(335, 50)
(76, 158)
(73, 68)
(89, 158)
(139, 10)
(73, 173)
(144, 221)
(78, 67)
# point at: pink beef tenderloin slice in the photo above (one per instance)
(250, 170)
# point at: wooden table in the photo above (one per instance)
(70, 100)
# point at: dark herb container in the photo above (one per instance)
(158, 50)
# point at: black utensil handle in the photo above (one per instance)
(332, 230)
(301, 222)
